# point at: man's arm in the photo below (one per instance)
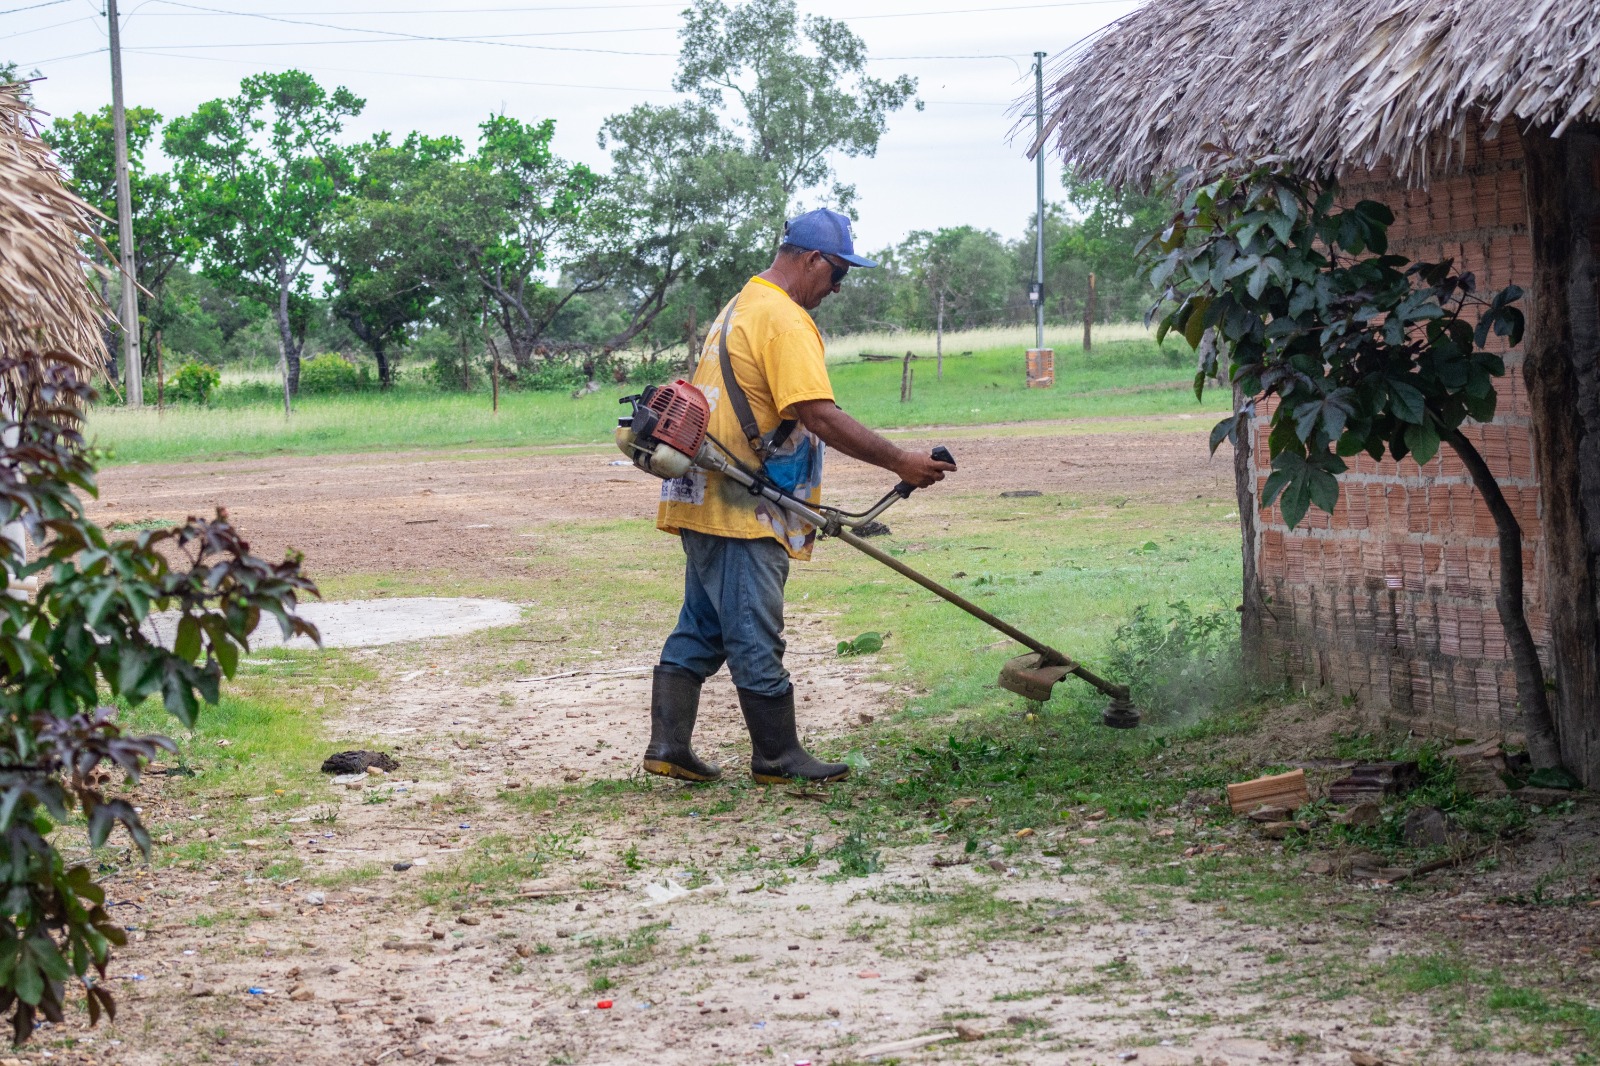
(839, 430)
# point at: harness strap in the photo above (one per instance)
(763, 446)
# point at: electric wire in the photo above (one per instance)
(32, 7)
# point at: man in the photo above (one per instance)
(738, 545)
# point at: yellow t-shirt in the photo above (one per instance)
(777, 355)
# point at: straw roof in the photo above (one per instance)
(1345, 84)
(48, 312)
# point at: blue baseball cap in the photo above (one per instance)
(824, 231)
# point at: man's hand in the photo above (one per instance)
(839, 430)
(921, 471)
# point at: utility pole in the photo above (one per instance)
(1038, 223)
(132, 361)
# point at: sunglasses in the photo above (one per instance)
(839, 271)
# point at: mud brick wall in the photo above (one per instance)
(1391, 599)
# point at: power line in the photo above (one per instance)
(435, 10)
(419, 74)
(32, 7)
(51, 26)
(983, 10)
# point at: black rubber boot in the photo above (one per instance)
(674, 703)
(776, 756)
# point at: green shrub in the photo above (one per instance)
(444, 374)
(330, 373)
(1181, 663)
(551, 376)
(655, 371)
(193, 383)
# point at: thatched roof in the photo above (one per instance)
(48, 312)
(1337, 83)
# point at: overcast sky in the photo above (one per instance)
(575, 62)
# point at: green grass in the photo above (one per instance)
(1119, 379)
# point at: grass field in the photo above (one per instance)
(1123, 378)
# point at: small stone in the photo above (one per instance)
(200, 990)
(356, 786)
(1361, 815)
(1425, 826)
(469, 919)
(268, 910)
(1023, 834)
(524, 951)
(1364, 1058)
(797, 995)
(425, 1018)
(401, 867)
(968, 1034)
(376, 771)
(1267, 813)
(314, 899)
(1280, 830)
(301, 994)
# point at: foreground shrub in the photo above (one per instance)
(330, 373)
(79, 637)
(193, 383)
(1180, 663)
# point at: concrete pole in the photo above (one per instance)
(1038, 225)
(132, 364)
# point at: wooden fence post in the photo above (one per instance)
(161, 377)
(1088, 316)
(905, 378)
(494, 374)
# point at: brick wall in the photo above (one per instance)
(1391, 599)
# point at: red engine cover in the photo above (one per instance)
(684, 416)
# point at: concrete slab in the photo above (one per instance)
(368, 623)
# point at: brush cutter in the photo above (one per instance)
(666, 436)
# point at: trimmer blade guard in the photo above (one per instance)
(1028, 676)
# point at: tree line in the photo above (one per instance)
(270, 215)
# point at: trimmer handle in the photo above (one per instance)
(940, 454)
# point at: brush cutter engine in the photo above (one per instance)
(666, 430)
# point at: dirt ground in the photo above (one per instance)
(463, 513)
(231, 966)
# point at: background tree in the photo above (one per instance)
(384, 260)
(261, 174)
(515, 216)
(161, 236)
(697, 204)
(803, 95)
(1364, 351)
(965, 273)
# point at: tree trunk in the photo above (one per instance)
(290, 346)
(1509, 601)
(1562, 370)
(385, 370)
(1252, 633)
(938, 341)
(466, 366)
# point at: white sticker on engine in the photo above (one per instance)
(690, 488)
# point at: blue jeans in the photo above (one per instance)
(732, 612)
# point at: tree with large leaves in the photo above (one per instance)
(261, 175)
(1363, 351)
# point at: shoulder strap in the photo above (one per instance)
(741, 406)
